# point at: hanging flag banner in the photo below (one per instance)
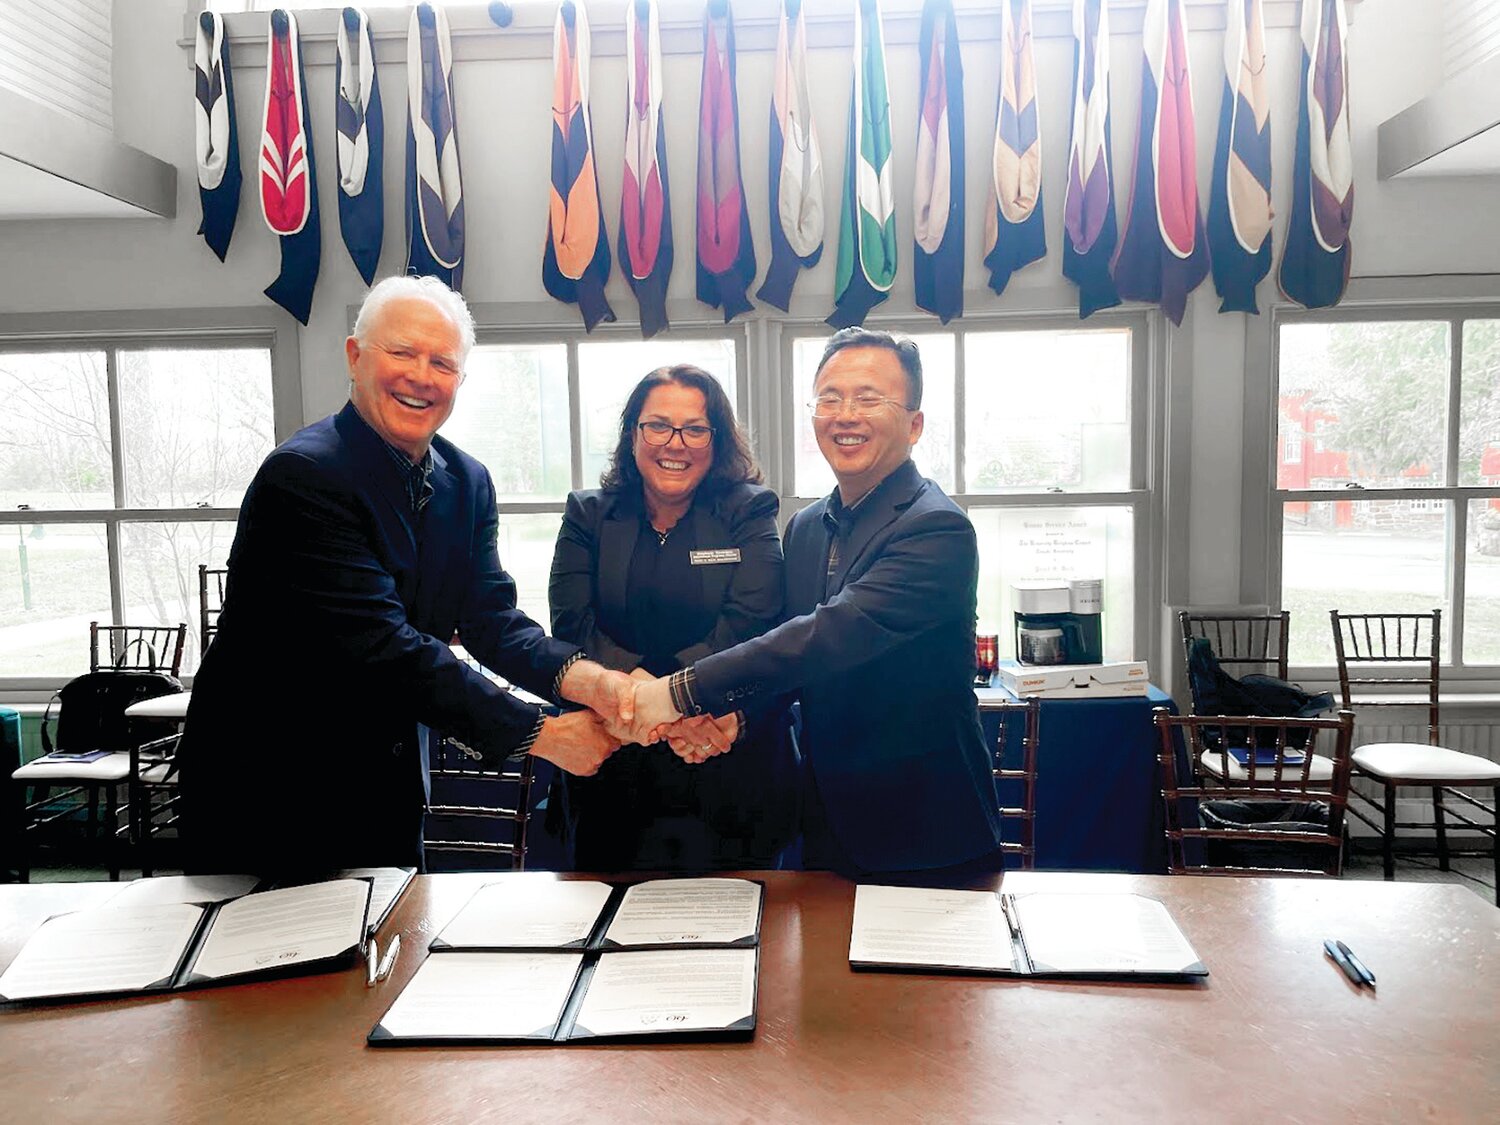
(1089, 229)
(1315, 259)
(867, 222)
(361, 143)
(218, 144)
(1239, 199)
(1014, 230)
(434, 183)
(726, 254)
(1163, 255)
(796, 165)
(938, 201)
(645, 203)
(288, 186)
(575, 257)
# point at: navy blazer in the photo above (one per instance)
(751, 791)
(883, 660)
(306, 738)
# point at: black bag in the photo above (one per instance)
(93, 709)
(1216, 692)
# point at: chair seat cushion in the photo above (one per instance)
(1417, 762)
(157, 772)
(1321, 770)
(111, 767)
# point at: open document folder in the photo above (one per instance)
(141, 943)
(533, 961)
(1044, 934)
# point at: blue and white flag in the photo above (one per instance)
(361, 143)
(1315, 259)
(796, 165)
(1089, 228)
(434, 185)
(218, 145)
(938, 201)
(1239, 201)
(1163, 254)
(288, 182)
(867, 223)
(1015, 234)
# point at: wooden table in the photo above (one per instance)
(1275, 1034)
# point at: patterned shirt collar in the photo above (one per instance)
(417, 476)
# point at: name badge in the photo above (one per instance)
(714, 557)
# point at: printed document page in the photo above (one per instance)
(678, 911)
(937, 928)
(669, 990)
(484, 996)
(1101, 933)
(106, 949)
(386, 885)
(282, 928)
(527, 913)
(184, 888)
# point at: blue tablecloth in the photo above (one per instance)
(1098, 789)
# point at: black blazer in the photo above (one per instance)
(884, 668)
(590, 573)
(306, 737)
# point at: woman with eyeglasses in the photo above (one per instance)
(676, 556)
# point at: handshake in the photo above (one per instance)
(625, 708)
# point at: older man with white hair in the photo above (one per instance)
(365, 543)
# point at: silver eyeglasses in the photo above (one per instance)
(831, 406)
(660, 433)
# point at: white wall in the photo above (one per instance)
(1418, 227)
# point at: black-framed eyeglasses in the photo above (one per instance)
(661, 433)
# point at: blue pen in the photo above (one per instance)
(1347, 962)
(1359, 966)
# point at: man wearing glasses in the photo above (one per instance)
(365, 544)
(881, 580)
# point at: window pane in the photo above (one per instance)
(1360, 556)
(526, 544)
(1032, 544)
(54, 431)
(1362, 402)
(512, 414)
(1482, 584)
(159, 582)
(1047, 410)
(1479, 423)
(54, 580)
(196, 424)
(609, 371)
(933, 453)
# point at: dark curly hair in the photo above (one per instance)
(733, 462)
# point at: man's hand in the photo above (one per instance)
(698, 739)
(610, 694)
(653, 711)
(577, 742)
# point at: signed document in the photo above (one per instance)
(102, 950)
(483, 996)
(687, 912)
(281, 929)
(669, 990)
(527, 914)
(1043, 934)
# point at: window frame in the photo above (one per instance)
(1453, 300)
(116, 331)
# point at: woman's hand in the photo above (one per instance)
(697, 739)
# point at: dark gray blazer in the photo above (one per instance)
(884, 668)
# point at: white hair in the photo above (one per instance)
(424, 288)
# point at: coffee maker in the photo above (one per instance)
(1059, 622)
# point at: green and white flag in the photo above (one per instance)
(867, 226)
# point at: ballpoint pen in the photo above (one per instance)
(1358, 975)
(388, 962)
(372, 959)
(1359, 966)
